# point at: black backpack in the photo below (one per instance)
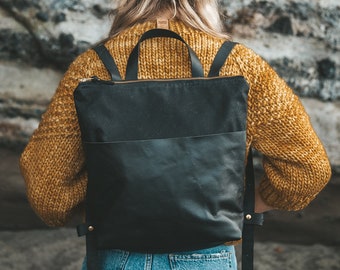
(165, 159)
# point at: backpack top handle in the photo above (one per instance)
(132, 64)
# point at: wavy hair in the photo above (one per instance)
(199, 14)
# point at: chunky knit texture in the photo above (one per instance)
(295, 163)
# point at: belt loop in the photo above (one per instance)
(148, 262)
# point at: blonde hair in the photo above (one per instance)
(199, 14)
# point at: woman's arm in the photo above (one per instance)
(294, 160)
(53, 161)
(260, 205)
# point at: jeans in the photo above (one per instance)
(216, 258)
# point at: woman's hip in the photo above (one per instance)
(217, 258)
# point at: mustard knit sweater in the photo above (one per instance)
(294, 160)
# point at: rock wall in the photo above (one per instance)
(300, 39)
(39, 38)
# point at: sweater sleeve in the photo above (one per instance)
(295, 163)
(53, 161)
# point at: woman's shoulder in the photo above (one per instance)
(205, 45)
(86, 65)
(242, 53)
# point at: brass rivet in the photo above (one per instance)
(248, 217)
(90, 228)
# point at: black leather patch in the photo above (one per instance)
(167, 194)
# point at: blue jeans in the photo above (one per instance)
(216, 258)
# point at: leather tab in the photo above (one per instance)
(253, 218)
(84, 229)
(162, 23)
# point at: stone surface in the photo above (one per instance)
(325, 117)
(39, 38)
(318, 223)
(300, 39)
(63, 250)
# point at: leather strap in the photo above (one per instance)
(250, 217)
(132, 64)
(221, 58)
(92, 260)
(108, 62)
(247, 235)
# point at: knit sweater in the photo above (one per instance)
(296, 167)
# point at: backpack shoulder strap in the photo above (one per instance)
(108, 62)
(220, 58)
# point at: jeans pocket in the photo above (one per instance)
(114, 259)
(215, 261)
(110, 260)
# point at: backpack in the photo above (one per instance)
(165, 158)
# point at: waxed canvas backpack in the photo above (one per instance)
(165, 158)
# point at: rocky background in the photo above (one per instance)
(38, 40)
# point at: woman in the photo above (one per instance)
(294, 160)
